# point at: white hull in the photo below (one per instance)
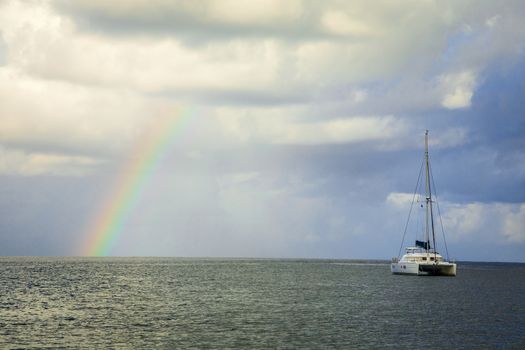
(423, 269)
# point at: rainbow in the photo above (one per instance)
(104, 232)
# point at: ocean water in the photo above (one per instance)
(170, 303)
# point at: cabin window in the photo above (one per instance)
(424, 258)
(432, 259)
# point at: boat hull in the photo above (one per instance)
(419, 269)
(405, 268)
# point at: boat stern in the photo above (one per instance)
(443, 269)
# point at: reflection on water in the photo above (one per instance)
(220, 303)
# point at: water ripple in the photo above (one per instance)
(255, 304)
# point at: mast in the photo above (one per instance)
(429, 215)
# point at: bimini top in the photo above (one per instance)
(422, 244)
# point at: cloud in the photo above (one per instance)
(230, 180)
(340, 23)
(467, 219)
(400, 200)
(54, 45)
(254, 12)
(514, 223)
(176, 15)
(17, 162)
(475, 220)
(70, 118)
(2, 50)
(309, 114)
(493, 21)
(282, 126)
(496, 223)
(458, 89)
(48, 46)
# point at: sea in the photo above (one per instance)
(178, 303)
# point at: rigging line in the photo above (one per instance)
(439, 211)
(411, 206)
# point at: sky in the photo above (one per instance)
(298, 126)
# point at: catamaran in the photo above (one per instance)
(423, 258)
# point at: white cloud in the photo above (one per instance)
(91, 89)
(464, 220)
(283, 126)
(458, 89)
(65, 116)
(254, 12)
(358, 95)
(493, 21)
(484, 222)
(18, 162)
(400, 200)
(514, 223)
(48, 45)
(356, 129)
(238, 178)
(249, 12)
(340, 23)
(500, 221)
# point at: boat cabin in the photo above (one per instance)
(418, 254)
